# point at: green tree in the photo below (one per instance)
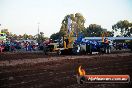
(19, 37)
(80, 20)
(42, 36)
(9, 35)
(77, 23)
(95, 30)
(4, 30)
(25, 36)
(124, 27)
(77, 26)
(110, 33)
(56, 36)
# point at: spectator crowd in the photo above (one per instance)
(18, 46)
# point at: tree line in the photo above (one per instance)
(77, 21)
(10, 36)
(123, 27)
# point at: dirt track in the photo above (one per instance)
(60, 72)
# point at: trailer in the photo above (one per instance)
(92, 46)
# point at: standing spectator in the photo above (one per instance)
(27, 44)
(12, 46)
(44, 49)
(22, 45)
(1, 48)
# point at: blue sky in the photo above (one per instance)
(22, 16)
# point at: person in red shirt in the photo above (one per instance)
(1, 48)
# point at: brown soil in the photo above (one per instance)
(60, 71)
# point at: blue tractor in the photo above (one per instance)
(90, 46)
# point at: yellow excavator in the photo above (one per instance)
(67, 48)
(68, 41)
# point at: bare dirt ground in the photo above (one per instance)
(35, 70)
